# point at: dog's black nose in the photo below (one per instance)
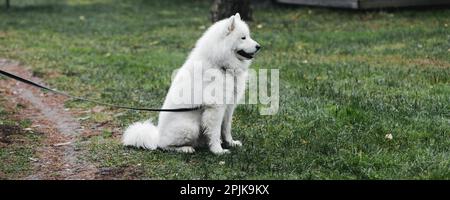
(257, 47)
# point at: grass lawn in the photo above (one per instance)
(347, 79)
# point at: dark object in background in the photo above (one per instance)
(367, 4)
(222, 9)
(7, 3)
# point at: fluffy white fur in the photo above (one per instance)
(225, 45)
(141, 134)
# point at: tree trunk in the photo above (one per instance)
(7, 3)
(222, 9)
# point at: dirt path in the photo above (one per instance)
(58, 156)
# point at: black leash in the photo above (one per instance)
(17, 78)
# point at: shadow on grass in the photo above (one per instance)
(33, 8)
(96, 17)
(53, 6)
(364, 10)
(49, 8)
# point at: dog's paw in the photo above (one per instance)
(235, 143)
(186, 149)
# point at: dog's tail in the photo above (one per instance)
(141, 134)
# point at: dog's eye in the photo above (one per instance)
(243, 38)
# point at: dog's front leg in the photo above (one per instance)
(226, 128)
(212, 120)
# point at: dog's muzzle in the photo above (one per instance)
(248, 55)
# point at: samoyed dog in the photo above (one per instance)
(225, 50)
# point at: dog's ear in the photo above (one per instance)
(231, 24)
(237, 16)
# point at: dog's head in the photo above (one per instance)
(238, 35)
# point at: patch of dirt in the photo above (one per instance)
(7, 130)
(58, 158)
(3, 34)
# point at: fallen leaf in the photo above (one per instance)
(33, 159)
(388, 136)
(153, 43)
(62, 144)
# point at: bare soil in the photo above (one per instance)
(58, 156)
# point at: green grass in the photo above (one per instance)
(347, 79)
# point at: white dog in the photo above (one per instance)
(225, 47)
